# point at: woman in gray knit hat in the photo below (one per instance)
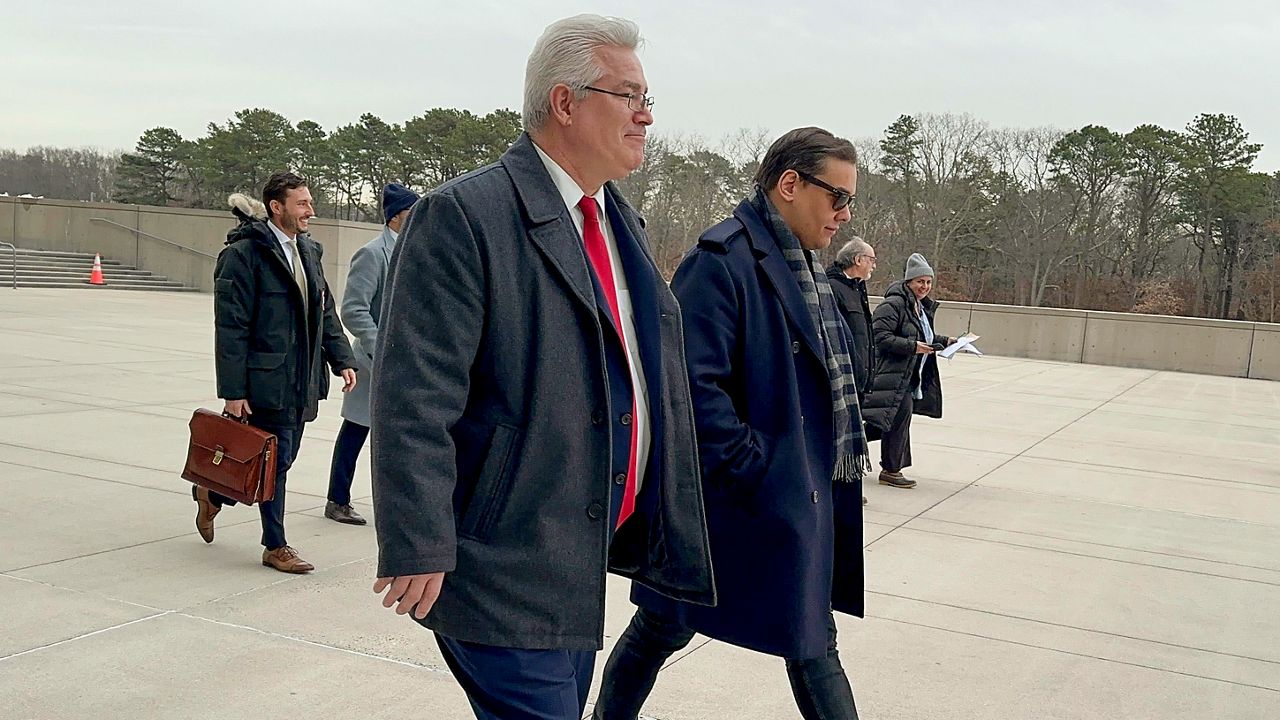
(906, 380)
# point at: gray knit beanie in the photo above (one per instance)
(917, 266)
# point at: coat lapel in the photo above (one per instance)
(272, 247)
(779, 276)
(551, 230)
(642, 278)
(388, 244)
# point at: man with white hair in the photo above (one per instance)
(530, 398)
(849, 274)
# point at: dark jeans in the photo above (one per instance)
(286, 425)
(513, 684)
(346, 450)
(895, 445)
(820, 687)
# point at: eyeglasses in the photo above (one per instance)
(872, 258)
(638, 102)
(841, 199)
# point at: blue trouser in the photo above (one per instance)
(513, 684)
(346, 450)
(286, 425)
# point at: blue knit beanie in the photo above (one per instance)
(395, 198)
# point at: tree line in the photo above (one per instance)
(346, 168)
(1148, 220)
(1152, 220)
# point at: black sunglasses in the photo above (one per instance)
(841, 199)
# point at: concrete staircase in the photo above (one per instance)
(53, 269)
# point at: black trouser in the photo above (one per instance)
(820, 686)
(346, 450)
(286, 425)
(895, 445)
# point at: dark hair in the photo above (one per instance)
(804, 150)
(278, 186)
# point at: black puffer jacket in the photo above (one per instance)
(895, 329)
(266, 350)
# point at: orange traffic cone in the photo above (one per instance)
(95, 277)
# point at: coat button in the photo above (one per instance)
(595, 511)
(815, 497)
(620, 479)
(597, 417)
(625, 419)
(795, 347)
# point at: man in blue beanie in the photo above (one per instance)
(361, 308)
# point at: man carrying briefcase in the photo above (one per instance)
(275, 328)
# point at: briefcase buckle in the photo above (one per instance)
(217, 456)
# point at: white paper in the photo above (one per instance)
(964, 342)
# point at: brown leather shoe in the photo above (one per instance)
(896, 479)
(286, 560)
(342, 513)
(205, 512)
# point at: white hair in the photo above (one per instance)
(566, 54)
(852, 249)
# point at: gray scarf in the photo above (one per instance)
(852, 455)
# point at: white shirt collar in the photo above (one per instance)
(280, 234)
(394, 235)
(569, 190)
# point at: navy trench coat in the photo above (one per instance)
(786, 542)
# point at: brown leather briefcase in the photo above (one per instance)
(231, 457)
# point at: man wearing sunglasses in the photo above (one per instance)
(779, 438)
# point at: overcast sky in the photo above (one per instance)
(80, 73)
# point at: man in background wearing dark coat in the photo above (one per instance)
(531, 416)
(275, 330)
(849, 274)
(779, 438)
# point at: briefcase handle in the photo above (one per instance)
(241, 420)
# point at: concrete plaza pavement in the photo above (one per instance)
(1084, 542)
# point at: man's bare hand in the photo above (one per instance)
(415, 593)
(923, 349)
(349, 380)
(237, 408)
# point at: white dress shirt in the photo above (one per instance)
(572, 195)
(284, 241)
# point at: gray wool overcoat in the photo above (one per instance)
(491, 432)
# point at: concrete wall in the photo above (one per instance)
(1158, 342)
(1213, 347)
(1264, 357)
(78, 227)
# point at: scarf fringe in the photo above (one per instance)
(851, 468)
(853, 458)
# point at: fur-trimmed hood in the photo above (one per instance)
(246, 208)
(252, 215)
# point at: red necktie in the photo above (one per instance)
(598, 255)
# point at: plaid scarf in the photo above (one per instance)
(852, 456)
